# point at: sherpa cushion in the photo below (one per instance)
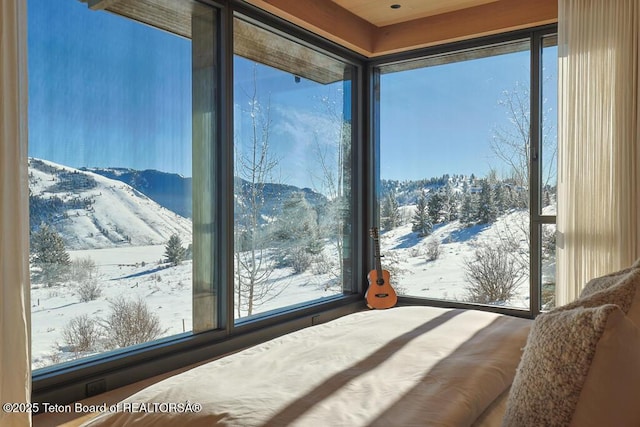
(580, 367)
(623, 290)
(606, 281)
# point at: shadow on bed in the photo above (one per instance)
(301, 405)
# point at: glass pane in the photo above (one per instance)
(110, 178)
(548, 248)
(454, 158)
(549, 154)
(292, 142)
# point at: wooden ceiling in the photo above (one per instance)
(378, 27)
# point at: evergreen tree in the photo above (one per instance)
(469, 209)
(449, 204)
(49, 255)
(421, 221)
(390, 213)
(297, 227)
(436, 206)
(173, 251)
(502, 204)
(487, 209)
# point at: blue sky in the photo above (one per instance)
(446, 114)
(89, 106)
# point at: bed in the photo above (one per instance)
(403, 366)
(577, 365)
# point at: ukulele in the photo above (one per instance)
(380, 294)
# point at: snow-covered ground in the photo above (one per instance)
(444, 278)
(136, 272)
(124, 233)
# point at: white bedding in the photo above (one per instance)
(404, 366)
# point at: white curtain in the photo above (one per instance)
(15, 371)
(598, 139)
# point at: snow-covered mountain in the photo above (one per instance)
(171, 190)
(91, 211)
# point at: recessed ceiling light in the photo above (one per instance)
(396, 6)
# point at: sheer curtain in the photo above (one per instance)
(598, 139)
(15, 372)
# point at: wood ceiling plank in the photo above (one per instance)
(379, 12)
(325, 18)
(492, 18)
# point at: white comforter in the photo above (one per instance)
(406, 366)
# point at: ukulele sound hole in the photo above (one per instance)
(382, 295)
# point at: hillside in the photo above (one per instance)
(91, 211)
(173, 191)
(169, 190)
(120, 234)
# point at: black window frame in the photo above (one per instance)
(81, 379)
(536, 38)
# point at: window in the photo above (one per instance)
(208, 175)
(458, 197)
(548, 183)
(292, 173)
(129, 178)
(111, 125)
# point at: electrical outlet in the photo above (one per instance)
(96, 387)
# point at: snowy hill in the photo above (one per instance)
(91, 211)
(416, 272)
(170, 190)
(119, 235)
(173, 191)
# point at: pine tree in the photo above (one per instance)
(421, 221)
(49, 255)
(173, 251)
(487, 210)
(298, 222)
(502, 203)
(390, 213)
(469, 209)
(436, 206)
(449, 204)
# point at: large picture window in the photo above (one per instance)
(111, 127)
(128, 178)
(459, 196)
(202, 175)
(292, 173)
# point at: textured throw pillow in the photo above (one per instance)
(580, 367)
(623, 290)
(606, 281)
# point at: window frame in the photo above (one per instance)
(536, 219)
(78, 380)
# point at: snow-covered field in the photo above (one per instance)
(136, 272)
(443, 278)
(124, 234)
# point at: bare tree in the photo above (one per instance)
(81, 334)
(493, 274)
(255, 165)
(333, 155)
(85, 273)
(512, 144)
(131, 322)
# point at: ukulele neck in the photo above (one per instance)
(377, 257)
